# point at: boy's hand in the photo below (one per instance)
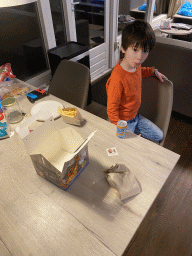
(160, 76)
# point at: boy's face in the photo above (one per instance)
(134, 56)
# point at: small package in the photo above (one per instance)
(71, 116)
(14, 88)
(123, 180)
(6, 72)
(5, 130)
(58, 155)
(165, 24)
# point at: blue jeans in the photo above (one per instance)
(147, 129)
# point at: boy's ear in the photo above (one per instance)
(123, 51)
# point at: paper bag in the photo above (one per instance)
(71, 116)
(123, 180)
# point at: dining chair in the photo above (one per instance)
(70, 82)
(156, 102)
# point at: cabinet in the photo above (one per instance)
(91, 11)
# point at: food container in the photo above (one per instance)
(71, 116)
(58, 155)
(12, 111)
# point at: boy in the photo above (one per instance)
(124, 85)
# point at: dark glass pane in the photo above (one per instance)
(129, 10)
(89, 16)
(138, 9)
(21, 41)
(58, 21)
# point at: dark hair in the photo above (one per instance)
(138, 33)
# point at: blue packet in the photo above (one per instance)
(186, 9)
(143, 7)
(3, 128)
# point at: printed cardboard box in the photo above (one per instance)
(58, 155)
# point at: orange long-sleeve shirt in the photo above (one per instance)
(124, 92)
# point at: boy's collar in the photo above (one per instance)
(124, 69)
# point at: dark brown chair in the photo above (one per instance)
(71, 83)
(156, 102)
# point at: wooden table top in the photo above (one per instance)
(38, 218)
(175, 31)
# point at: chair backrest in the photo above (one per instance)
(70, 82)
(156, 102)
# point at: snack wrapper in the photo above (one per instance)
(5, 130)
(14, 88)
(165, 24)
(71, 116)
(123, 180)
(5, 72)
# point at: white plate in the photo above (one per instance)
(48, 108)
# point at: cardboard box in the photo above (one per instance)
(58, 155)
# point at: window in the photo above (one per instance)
(129, 10)
(58, 21)
(138, 9)
(89, 19)
(21, 41)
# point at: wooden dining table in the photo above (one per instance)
(38, 218)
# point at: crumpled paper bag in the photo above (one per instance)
(71, 116)
(123, 180)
